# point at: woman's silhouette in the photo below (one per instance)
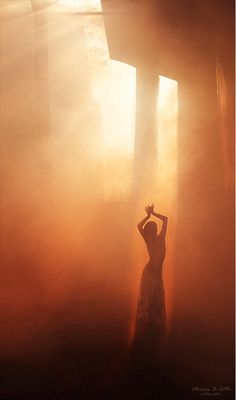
(151, 314)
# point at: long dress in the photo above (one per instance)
(151, 312)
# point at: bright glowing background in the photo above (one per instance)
(112, 86)
(69, 257)
(82, 5)
(115, 94)
(167, 122)
(87, 156)
(113, 91)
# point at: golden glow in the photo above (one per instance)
(167, 173)
(114, 91)
(69, 257)
(113, 94)
(108, 140)
(165, 191)
(10, 8)
(82, 5)
(167, 118)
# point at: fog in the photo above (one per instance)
(76, 177)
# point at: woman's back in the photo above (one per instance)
(156, 250)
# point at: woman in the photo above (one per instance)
(151, 314)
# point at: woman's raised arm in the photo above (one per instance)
(164, 220)
(144, 220)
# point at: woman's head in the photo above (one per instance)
(150, 228)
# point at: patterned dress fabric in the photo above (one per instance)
(151, 312)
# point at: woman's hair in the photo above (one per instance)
(150, 228)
